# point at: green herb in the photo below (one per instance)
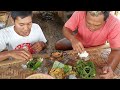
(34, 63)
(67, 68)
(85, 70)
(31, 64)
(37, 65)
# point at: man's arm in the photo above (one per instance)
(76, 44)
(4, 55)
(16, 54)
(68, 33)
(114, 58)
(112, 63)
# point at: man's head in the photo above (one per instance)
(96, 19)
(22, 21)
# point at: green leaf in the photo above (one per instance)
(34, 63)
(86, 69)
(58, 65)
(37, 65)
(31, 64)
(67, 68)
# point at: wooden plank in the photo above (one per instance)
(10, 62)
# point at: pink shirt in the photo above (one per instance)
(109, 32)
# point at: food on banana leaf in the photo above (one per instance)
(35, 63)
(57, 54)
(86, 70)
(57, 73)
(60, 71)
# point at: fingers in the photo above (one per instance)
(21, 54)
(78, 47)
(21, 57)
(105, 69)
(37, 47)
(34, 46)
(106, 76)
(26, 54)
(107, 73)
(82, 47)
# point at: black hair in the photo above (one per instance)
(105, 13)
(22, 14)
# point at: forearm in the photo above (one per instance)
(68, 33)
(4, 55)
(114, 58)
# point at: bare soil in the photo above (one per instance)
(52, 30)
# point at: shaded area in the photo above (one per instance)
(52, 28)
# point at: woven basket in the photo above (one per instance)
(39, 76)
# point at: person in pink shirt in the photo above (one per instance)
(94, 29)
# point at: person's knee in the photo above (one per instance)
(57, 46)
(63, 44)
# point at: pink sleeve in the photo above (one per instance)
(74, 20)
(114, 36)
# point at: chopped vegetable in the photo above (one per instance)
(85, 70)
(59, 70)
(37, 65)
(66, 68)
(57, 73)
(34, 63)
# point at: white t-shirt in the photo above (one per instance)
(11, 40)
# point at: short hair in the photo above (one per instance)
(22, 14)
(96, 13)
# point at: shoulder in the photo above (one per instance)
(113, 19)
(79, 12)
(79, 15)
(7, 29)
(113, 22)
(35, 25)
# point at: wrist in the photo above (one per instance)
(72, 38)
(42, 44)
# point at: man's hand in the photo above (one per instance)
(38, 46)
(107, 73)
(20, 54)
(77, 45)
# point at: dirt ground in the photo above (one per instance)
(52, 29)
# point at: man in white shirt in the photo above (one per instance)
(23, 38)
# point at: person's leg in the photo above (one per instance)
(63, 44)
